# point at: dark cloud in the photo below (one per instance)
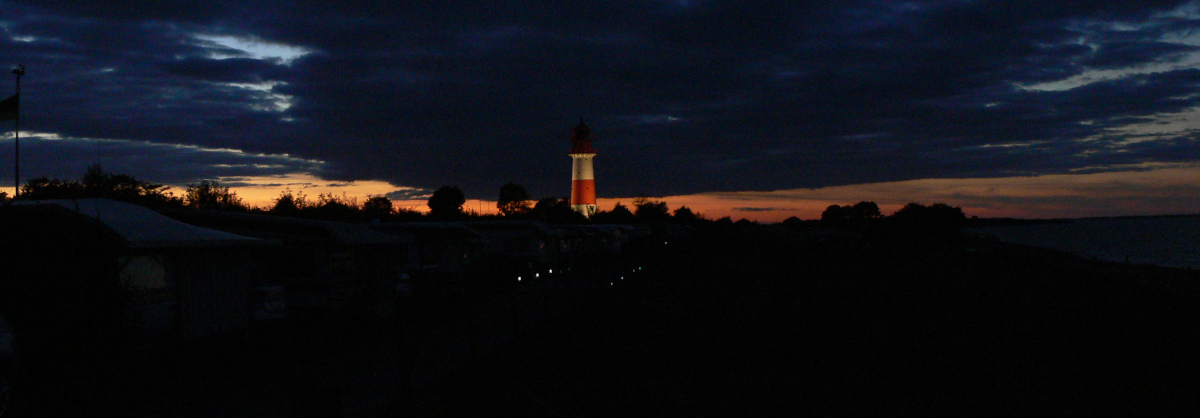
(68, 158)
(410, 194)
(683, 96)
(232, 70)
(1124, 54)
(753, 209)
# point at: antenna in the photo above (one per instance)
(19, 72)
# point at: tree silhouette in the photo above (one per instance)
(947, 214)
(912, 211)
(917, 227)
(407, 215)
(555, 210)
(211, 195)
(724, 223)
(866, 210)
(331, 207)
(622, 213)
(834, 214)
(851, 215)
(377, 207)
(793, 223)
(43, 188)
(446, 202)
(684, 215)
(289, 204)
(618, 215)
(647, 210)
(98, 183)
(514, 200)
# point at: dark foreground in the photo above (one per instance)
(753, 322)
(763, 323)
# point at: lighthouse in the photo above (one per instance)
(583, 180)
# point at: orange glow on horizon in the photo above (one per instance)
(1140, 190)
(262, 191)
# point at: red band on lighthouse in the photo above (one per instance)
(583, 192)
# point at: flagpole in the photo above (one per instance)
(19, 71)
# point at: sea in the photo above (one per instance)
(1169, 241)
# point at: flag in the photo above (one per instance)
(9, 107)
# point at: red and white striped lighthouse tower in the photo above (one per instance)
(583, 180)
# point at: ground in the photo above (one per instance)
(761, 321)
(764, 323)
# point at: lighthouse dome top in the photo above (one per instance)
(581, 139)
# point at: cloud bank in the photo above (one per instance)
(683, 97)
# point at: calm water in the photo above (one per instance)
(1164, 241)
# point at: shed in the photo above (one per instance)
(321, 265)
(444, 254)
(160, 276)
(523, 248)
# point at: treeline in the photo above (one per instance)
(445, 204)
(862, 213)
(915, 226)
(515, 202)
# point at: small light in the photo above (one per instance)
(622, 277)
(536, 275)
(518, 278)
(551, 271)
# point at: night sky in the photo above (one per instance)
(753, 109)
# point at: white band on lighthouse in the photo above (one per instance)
(582, 169)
